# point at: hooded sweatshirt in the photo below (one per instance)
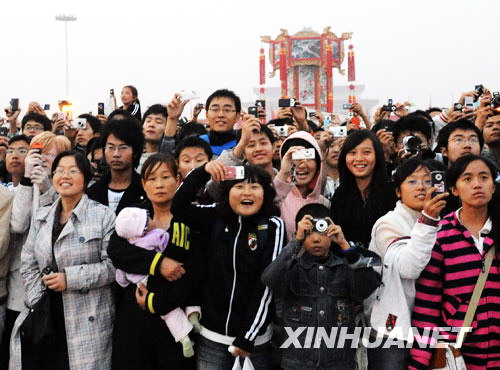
(289, 196)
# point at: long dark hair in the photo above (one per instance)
(253, 174)
(379, 177)
(134, 92)
(458, 168)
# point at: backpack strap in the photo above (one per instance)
(476, 294)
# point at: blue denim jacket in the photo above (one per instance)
(318, 298)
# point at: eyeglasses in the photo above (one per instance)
(414, 183)
(33, 128)
(461, 140)
(20, 151)
(226, 111)
(120, 148)
(72, 172)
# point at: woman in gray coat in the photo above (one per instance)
(75, 230)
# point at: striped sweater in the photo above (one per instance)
(444, 291)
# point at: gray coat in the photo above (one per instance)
(81, 252)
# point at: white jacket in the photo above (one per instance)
(405, 247)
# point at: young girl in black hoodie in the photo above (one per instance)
(243, 235)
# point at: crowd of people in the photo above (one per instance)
(142, 241)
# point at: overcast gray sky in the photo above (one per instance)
(414, 49)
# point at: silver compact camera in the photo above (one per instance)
(320, 225)
(303, 154)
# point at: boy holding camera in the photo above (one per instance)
(318, 279)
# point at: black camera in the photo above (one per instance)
(260, 103)
(411, 144)
(286, 103)
(389, 107)
(457, 107)
(495, 101)
(253, 111)
(346, 106)
(320, 225)
(47, 270)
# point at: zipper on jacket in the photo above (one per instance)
(234, 274)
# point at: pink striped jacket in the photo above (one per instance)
(444, 291)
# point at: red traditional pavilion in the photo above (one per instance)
(306, 61)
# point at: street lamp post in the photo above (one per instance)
(66, 18)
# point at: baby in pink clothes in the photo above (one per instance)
(135, 225)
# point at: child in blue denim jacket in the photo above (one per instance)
(319, 278)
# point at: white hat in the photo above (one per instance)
(131, 222)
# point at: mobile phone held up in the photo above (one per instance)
(38, 147)
(100, 108)
(438, 182)
(234, 173)
(469, 102)
(14, 104)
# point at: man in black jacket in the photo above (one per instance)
(121, 187)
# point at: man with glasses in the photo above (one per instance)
(14, 159)
(14, 301)
(121, 187)
(223, 111)
(458, 139)
(455, 140)
(34, 124)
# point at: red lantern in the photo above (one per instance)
(262, 69)
(351, 69)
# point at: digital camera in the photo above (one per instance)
(79, 123)
(320, 225)
(303, 154)
(286, 103)
(346, 106)
(411, 144)
(389, 107)
(457, 107)
(253, 111)
(495, 101)
(189, 95)
(47, 270)
(282, 131)
(338, 131)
